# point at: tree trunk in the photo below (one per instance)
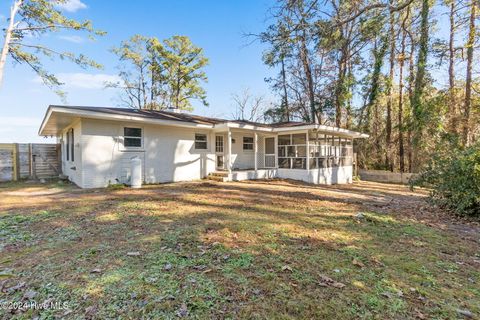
(340, 87)
(468, 81)
(8, 37)
(308, 74)
(285, 97)
(452, 105)
(375, 86)
(401, 148)
(417, 103)
(388, 129)
(411, 80)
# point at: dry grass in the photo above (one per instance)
(235, 250)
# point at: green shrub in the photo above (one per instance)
(454, 179)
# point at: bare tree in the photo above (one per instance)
(248, 106)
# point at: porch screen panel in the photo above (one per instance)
(292, 151)
(328, 151)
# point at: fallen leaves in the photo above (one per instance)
(329, 282)
(16, 287)
(287, 268)
(358, 263)
(465, 313)
(182, 312)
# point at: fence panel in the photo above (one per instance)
(29, 160)
(6, 162)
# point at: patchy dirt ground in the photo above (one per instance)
(276, 249)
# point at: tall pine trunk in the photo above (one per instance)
(452, 104)
(401, 147)
(304, 57)
(411, 81)
(417, 103)
(468, 81)
(388, 125)
(284, 85)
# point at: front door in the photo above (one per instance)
(269, 152)
(219, 156)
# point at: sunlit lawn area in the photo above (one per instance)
(234, 250)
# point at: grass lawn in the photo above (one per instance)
(259, 249)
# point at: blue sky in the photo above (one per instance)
(216, 26)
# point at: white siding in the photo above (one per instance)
(171, 154)
(168, 154)
(241, 159)
(336, 175)
(72, 169)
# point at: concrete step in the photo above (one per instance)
(219, 174)
(217, 178)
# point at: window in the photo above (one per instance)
(219, 144)
(247, 143)
(70, 146)
(132, 137)
(67, 147)
(200, 141)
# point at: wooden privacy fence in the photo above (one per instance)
(385, 176)
(29, 160)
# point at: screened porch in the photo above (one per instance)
(243, 150)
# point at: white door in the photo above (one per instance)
(219, 155)
(269, 152)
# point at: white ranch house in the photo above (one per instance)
(99, 143)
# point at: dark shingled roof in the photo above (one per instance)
(178, 116)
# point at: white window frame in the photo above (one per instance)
(219, 144)
(133, 137)
(202, 141)
(248, 143)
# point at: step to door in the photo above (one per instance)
(218, 176)
(219, 173)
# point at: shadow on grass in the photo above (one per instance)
(240, 250)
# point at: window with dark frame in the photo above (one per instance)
(200, 141)
(72, 145)
(132, 137)
(67, 147)
(248, 143)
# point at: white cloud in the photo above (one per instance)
(84, 80)
(19, 122)
(74, 39)
(72, 5)
(87, 80)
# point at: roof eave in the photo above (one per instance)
(115, 117)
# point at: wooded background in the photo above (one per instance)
(402, 71)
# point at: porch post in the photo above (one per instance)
(255, 152)
(275, 138)
(308, 152)
(229, 148)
